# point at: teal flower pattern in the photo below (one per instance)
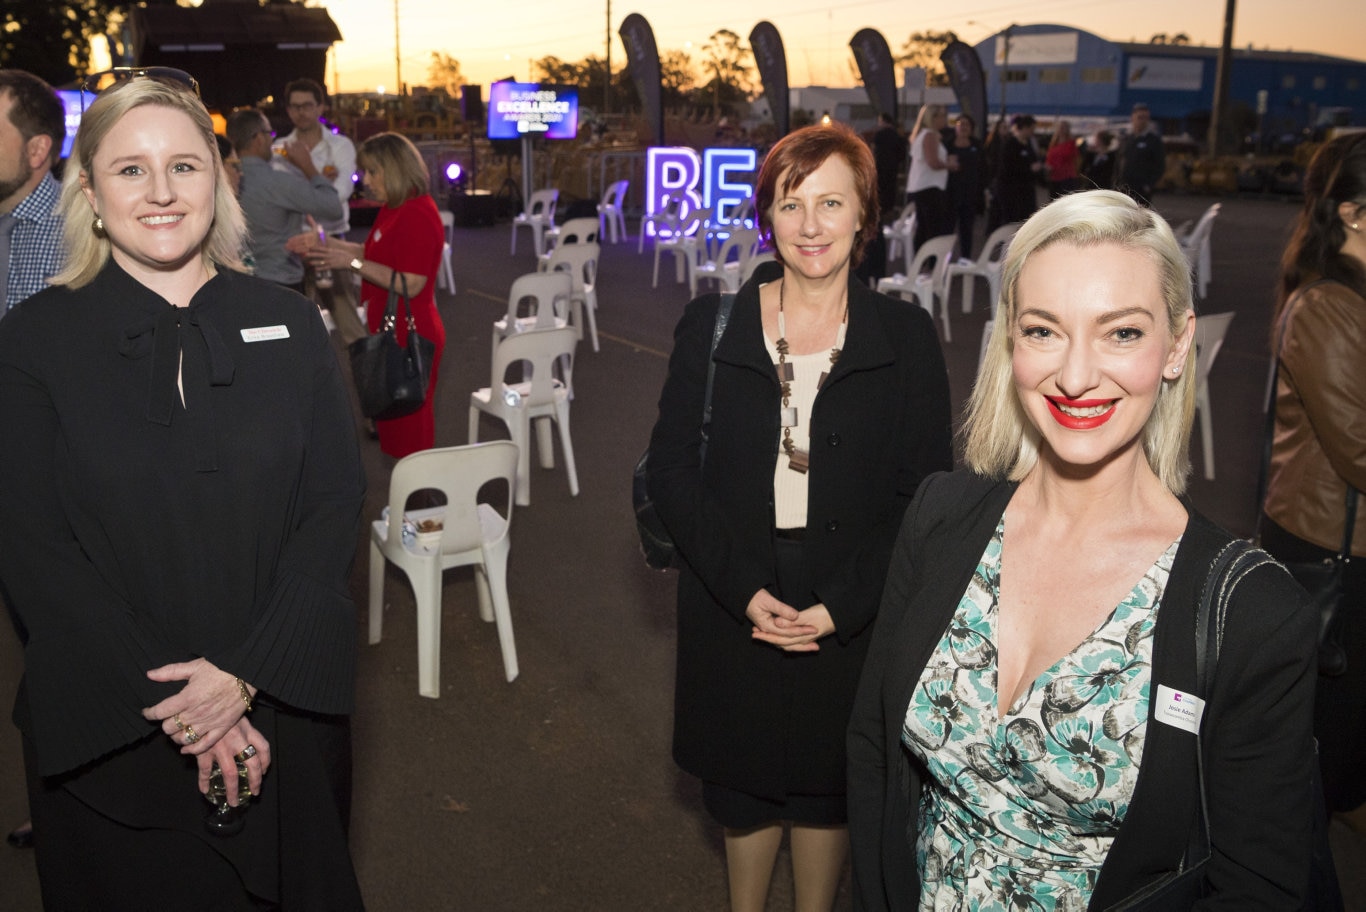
(1018, 813)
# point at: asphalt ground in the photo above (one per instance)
(557, 791)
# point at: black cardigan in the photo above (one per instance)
(1257, 724)
(879, 425)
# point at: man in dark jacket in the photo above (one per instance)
(1142, 158)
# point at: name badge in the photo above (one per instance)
(1181, 710)
(265, 333)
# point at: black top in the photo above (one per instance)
(880, 423)
(1256, 730)
(136, 530)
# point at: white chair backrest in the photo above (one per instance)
(752, 264)
(1210, 330)
(938, 250)
(579, 260)
(739, 246)
(616, 194)
(996, 245)
(578, 231)
(1200, 234)
(459, 473)
(542, 204)
(540, 349)
(548, 294)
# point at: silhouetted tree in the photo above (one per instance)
(922, 49)
(51, 38)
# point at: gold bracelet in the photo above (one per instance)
(242, 689)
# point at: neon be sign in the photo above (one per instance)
(715, 181)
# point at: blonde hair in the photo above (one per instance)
(404, 171)
(999, 440)
(87, 250)
(924, 120)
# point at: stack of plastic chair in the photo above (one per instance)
(471, 533)
(729, 266)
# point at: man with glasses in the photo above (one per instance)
(335, 158)
(275, 202)
(32, 128)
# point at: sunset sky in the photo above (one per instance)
(494, 40)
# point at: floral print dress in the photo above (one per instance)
(1018, 813)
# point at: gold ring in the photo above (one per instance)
(176, 720)
(190, 735)
(246, 753)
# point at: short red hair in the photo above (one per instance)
(800, 153)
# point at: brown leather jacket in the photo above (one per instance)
(1320, 442)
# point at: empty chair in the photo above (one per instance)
(729, 264)
(472, 533)
(988, 265)
(541, 398)
(537, 300)
(611, 211)
(1195, 244)
(445, 277)
(926, 287)
(704, 244)
(670, 237)
(764, 256)
(1210, 330)
(669, 211)
(581, 262)
(573, 231)
(538, 216)
(900, 235)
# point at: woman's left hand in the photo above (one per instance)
(209, 704)
(802, 639)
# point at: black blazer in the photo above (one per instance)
(879, 425)
(1256, 733)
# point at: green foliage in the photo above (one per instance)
(51, 38)
(922, 49)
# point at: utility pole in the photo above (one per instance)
(607, 84)
(398, 60)
(1221, 77)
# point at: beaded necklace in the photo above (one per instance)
(798, 460)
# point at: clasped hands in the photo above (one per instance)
(779, 624)
(208, 719)
(320, 251)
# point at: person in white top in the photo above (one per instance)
(927, 182)
(335, 158)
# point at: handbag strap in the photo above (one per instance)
(1235, 561)
(1269, 431)
(391, 305)
(722, 318)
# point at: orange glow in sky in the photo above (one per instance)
(494, 40)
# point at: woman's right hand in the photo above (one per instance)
(225, 753)
(776, 619)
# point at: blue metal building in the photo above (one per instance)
(1057, 70)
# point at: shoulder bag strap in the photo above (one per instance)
(722, 318)
(391, 315)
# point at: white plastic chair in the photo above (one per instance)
(581, 262)
(1195, 244)
(471, 533)
(611, 217)
(670, 238)
(1210, 330)
(753, 263)
(927, 287)
(542, 398)
(537, 300)
(573, 231)
(670, 208)
(730, 262)
(445, 277)
(900, 236)
(988, 265)
(538, 216)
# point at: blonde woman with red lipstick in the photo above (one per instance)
(1018, 739)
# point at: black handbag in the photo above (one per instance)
(1322, 579)
(655, 542)
(391, 379)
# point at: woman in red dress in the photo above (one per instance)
(407, 238)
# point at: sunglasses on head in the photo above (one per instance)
(96, 83)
